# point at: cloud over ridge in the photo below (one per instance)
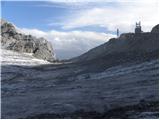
(70, 44)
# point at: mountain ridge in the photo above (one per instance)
(127, 42)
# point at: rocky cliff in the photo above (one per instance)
(12, 40)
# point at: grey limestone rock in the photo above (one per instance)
(12, 40)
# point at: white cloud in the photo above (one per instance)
(34, 32)
(70, 44)
(122, 16)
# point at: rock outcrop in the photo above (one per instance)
(12, 40)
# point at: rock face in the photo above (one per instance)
(127, 43)
(12, 40)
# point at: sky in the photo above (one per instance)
(76, 26)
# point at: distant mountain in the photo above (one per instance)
(123, 47)
(12, 40)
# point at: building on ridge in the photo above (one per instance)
(138, 27)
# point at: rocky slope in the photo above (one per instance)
(71, 91)
(12, 40)
(119, 85)
(127, 43)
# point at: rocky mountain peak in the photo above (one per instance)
(11, 39)
(7, 28)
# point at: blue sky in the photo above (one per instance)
(46, 15)
(32, 14)
(79, 24)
